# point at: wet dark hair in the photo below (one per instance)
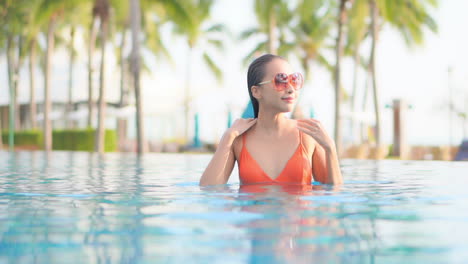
(255, 75)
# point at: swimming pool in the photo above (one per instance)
(69, 207)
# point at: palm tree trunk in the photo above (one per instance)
(271, 32)
(11, 128)
(363, 131)
(123, 90)
(70, 78)
(339, 54)
(100, 137)
(135, 18)
(187, 95)
(91, 46)
(32, 84)
(122, 122)
(17, 66)
(374, 36)
(48, 68)
(357, 62)
(13, 62)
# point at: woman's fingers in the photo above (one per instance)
(312, 123)
(252, 122)
(306, 123)
(307, 131)
(245, 124)
(307, 127)
(309, 121)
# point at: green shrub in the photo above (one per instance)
(23, 138)
(390, 150)
(82, 140)
(111, 141)
(70, 139)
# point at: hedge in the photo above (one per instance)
(71, 139)
(22, 138)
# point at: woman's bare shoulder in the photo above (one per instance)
(238, 142)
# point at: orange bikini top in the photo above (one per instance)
(298, 169)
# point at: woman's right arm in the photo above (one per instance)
(220, 167)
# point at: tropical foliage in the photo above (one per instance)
(307, 31)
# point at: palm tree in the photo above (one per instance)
(32, 83)
(91, 46)
(65, 36)
(102, 10)
(135, 21)
(72, 57)
(12, 107)
(410, 17)
(121, 23)
(374, 36)
(315, 20)
(267, 14)
(357, 31)
(198, 13)
(342, 19)
(13, 17)
(273, 18)
(17, 61)
(33, 30)
(155, 15)
(312, 33)
(50, 12)
(48, 64)
(71, 22)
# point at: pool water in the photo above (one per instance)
(67, 207)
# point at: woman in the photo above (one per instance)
(270, 148)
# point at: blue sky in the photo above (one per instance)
(418, 75)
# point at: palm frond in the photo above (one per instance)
(218, 44)
(248, 33)
(216, 28)
(325, 63)
(213, 67)
(261, 47)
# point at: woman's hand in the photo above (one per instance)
(240, 126)
(221, 165)
(314, 128)
(326, 168)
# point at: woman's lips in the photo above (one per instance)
(288, 100)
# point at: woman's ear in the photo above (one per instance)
(256, 91)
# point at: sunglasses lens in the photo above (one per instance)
(297, 81)
(281, 81)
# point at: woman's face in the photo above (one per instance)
(268, 96)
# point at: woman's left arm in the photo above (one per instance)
(326, 166)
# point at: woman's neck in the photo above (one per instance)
(271, 123)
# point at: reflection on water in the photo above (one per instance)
(66, 207)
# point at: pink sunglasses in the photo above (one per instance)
(282, 81)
